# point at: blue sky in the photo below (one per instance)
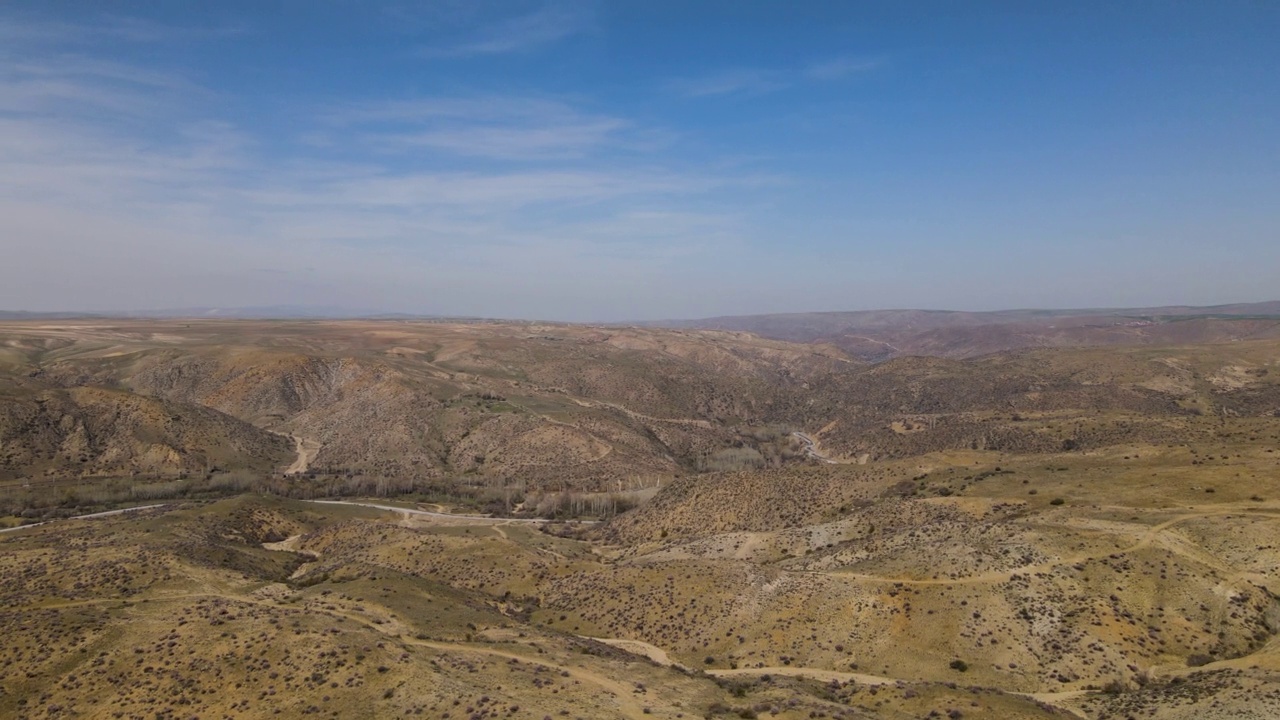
(584, 160)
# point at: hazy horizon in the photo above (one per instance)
(608, 162)
(316, 312)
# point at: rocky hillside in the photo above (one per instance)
(95, 432)
(503, 408)
(543, 407)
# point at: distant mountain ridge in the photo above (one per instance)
(877, 335)
(864, 318)
(870, 335)
(867, 318)
(262, 312)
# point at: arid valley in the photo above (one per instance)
(630, 359)
(480, 520)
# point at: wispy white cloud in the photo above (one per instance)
(494, 127)
(74, 85)
(729, 82)
(407, 118)
(132, 189)
(474, 108)
(839, 68)
(551, 23)
(17, 31)
(477, 193)
(757, 81)
(79, 66)
(58, 70)
(511, 143)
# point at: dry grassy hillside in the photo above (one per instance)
(754, 501)
(1142, 576)
(183, 612)
(87, 432)
(1045, 400)
(989, 601)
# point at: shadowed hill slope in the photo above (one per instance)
(93, 432)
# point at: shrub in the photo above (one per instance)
(1115, 687)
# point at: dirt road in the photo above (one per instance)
(107, 513)
(306, 450)
(411, 512)
(811, 448)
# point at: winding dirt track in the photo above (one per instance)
(640, 647)
(306, 450)
(90, 516)
(411, 512)
(660, 656)
(620, 692)
(811, 448)
(693, 422)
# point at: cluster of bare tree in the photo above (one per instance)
(492, 495)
